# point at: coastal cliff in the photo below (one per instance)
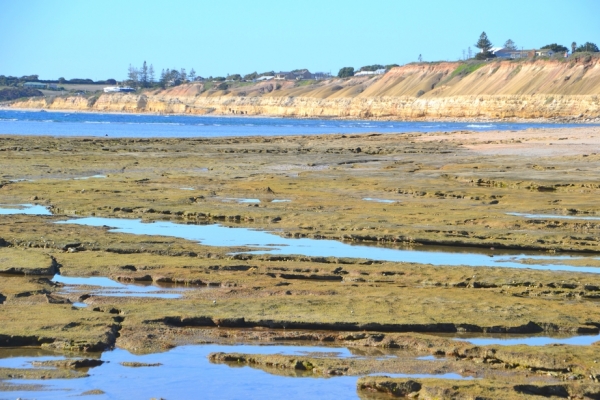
(565, 89)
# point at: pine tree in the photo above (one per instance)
(484, 43)
(573, 47)
(144, 75)
(151, 75)
(510, 45)
(183, 75)
(192, 75)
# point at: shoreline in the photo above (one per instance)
(553, 120)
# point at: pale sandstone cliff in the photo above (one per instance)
(500, 89)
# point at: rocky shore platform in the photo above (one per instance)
(497, 194)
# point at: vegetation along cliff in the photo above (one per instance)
(565, 89)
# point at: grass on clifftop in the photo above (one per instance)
(466, 69)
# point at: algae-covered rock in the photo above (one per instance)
(69, 363)
(21, 262)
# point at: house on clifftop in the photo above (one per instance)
(35, 85)
(502, 52)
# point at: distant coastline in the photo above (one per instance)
(542, 90)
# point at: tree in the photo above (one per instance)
(557, 48)
(151, 75)
(420, 58)
(192, 75)
(132, 75)
(143, 75)
(346, 72)
(183, 75)
(573, 47)
(373, 67)
(29, 78)
(510, 45)
(484, 43)
(163, 79)
(587, 46)
(469, 53)
(251, 76)
(111, 81)
(174, 77)
(62, 80)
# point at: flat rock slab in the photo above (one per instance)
(21, 262)
(450, 389)
(69, 364)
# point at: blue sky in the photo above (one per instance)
(98, 39)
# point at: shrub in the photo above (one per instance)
(346, 72)
(557, 48)
(17, 93)
(484, 55)
(373, 67)
(587, 46)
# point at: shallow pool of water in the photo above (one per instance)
(425, 376)
(584, 340)
(28, 209)
(90, 177)
(379, 200)
(242, 200)
(513, 339)
(186, 373)
(217, 235)
(101, 286)
(21, 180)
(430, 358)
(554, 216)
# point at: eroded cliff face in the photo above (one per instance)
(501, 89)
